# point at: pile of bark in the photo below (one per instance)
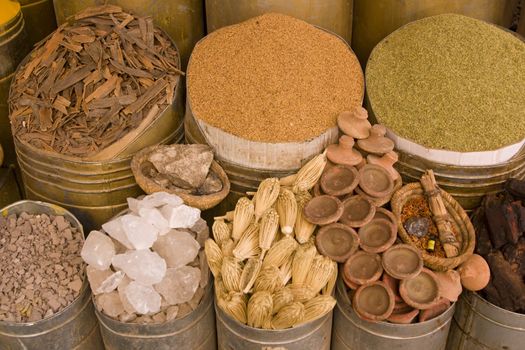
(500, 227)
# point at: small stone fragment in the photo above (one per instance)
(143, 266)
(111, 283)
(171, 312)
(212, 184)
(178, 248)
(96, 277)
(159, 199)
(202, 230)
(144, 299)
(182, 216)
(121, 288)
(111, 304)
(159, 317)
(179, 285)
(139, 231)
(98, 250)
(417, 226)
(75, 285)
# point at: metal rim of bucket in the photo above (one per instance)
(53, 210)
(473, 298)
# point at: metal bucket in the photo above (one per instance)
(75, 327)
(40, 18)
(194, 331)
(183, 20)
(374, 20)
(232, 335)
(334, 15)
(351, 332)
(14, 46)
(479, 324)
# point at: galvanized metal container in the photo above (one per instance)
(14, 46)
(478, 324)
(75, 327)
(194, 331)
(40, 18)
(333, 15)
(233, 335)
(9, 189)
(183, 20)
(374, 20)
(351, 332)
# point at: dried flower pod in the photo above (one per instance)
(242, 217)
(288, 316)
(220, 290)
(288, 181)
(269, 279)
(310, 173)
(231, 272)
(286, 271)
(248, 245)
(330, 285)
(227, 217)
(303, 228)
(259, 309)
(317, 307)
(227, 247)
(282, 297)
(302, 260)
(320, 272)
(249, 274)
(301, 293)
(221, 231)
(287, 210)
(213, 256)
(268, 230)
(234, 304)
(280, 252)
(266, 196)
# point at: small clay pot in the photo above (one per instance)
(377, 202)
(377, 236)
(402, 261)
(349, 283)
(374, 301)
(420, 292)
(394, 285)
(375, 181)
(363, 267)
(337, 241)
(437, 309)
(377, 142)
(387, 161)
(323, 210)
(317, 190)
(449, 284)
(401, 307)
(355, 123)
(339, 180)
(404, 317)
(474, 273)
(344, 152)
(382, 213)
(357, 211)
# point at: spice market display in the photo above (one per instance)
(311, 206)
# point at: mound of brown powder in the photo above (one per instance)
(273, 79)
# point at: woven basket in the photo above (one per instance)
(202, 202)
(461, 222)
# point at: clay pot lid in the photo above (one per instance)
(339, 180)
(402, 261)
(375, 181)
(363, 267)
(420, 292)
(374, 301)
(377, 236)
(377, 142)
(337, 241)
(349, 283)
(377, 202)
(403, 317)
(393, 283)
(357, 212)
(323, 210)
(382, 213)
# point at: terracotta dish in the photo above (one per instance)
(337, 241)
(339, 180)
(373, 301)
(421, 292)
(323, 210)
(357, 212)
(402, 261)
(363, 267)
(377, 236)
(375, 181)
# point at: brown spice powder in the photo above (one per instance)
(273, 79)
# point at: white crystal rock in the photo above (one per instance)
(110, 283)
(121, 292)
(155, 218)
(133, 204)
(144, 299)
(181, 216)
(178, 248)
(179, 285)
(154, 200)
(98, 250)
(143, 266)
(96, 277)
(139, 231)
(202, 230)
(111, 304)
(114, 229)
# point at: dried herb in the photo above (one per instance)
(92, 82)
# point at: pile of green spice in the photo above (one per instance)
(450, 82)
(273, 79)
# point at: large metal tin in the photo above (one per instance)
(374, 20)
(183, 20)
(351, 332)
(333, 15)
(234, 335)
(480, 325)
(40, 18)
(194, 331)
(75, 327)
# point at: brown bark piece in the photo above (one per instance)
(496, 223)
(509, 284)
